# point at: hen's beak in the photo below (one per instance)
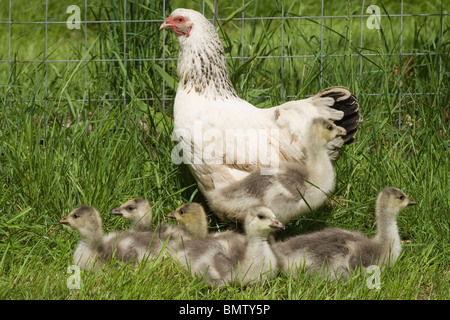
(166, 24)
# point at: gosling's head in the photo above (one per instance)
(325, 130)
(391, 201)
(193, 217)
(85, 219)
(260, 221)
(137, 211)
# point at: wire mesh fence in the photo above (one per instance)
(113, 51)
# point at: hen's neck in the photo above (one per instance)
(202, 66)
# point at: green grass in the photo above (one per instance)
(103, 157)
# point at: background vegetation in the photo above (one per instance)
(96, 130)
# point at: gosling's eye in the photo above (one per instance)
(401, 197)
(330, 127)
(129, 208)
(260, 216)
(76, 216)
(181, 212)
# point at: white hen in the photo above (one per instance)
(221, 137)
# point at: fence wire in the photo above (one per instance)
(241, 17)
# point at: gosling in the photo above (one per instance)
(228, 259)
(96, 249)
(192, 217)
(138, 212)
(338, 252)
(87, 221)
(295, 189)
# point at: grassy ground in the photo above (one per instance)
(58, 151)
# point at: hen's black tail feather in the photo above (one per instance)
(345, 101)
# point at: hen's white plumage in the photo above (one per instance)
(215, 129)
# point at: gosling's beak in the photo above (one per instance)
(341, 131)
(64, 220)
(166, 24)
(116, 212)
(277, 224)
(172, 215)
(411, 202)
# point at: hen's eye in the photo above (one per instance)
(180, 20)
(181, 212)
(75, 216)
(130, 208)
